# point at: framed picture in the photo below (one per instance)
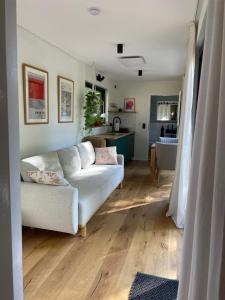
(35, 90)
(129, 104)
(65, 100)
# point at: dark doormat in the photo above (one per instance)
(148, 287)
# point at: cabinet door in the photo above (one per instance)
(124, 145)
(121, 146)
(110, 143)
(130, 146)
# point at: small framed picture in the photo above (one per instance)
(129, 104)
(65, 100)
(35, 90)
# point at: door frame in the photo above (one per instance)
(149, 112)
(11, 278)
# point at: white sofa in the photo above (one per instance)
(63, 208)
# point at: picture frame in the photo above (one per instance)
(65, 100)
(129, 105)
(35, 95)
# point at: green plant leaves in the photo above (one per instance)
(92, 109)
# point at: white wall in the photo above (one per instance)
(142, 91)
(41, 138)
(37, 52)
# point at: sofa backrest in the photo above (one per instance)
(87, 154)
(70, 161)
(65, 162)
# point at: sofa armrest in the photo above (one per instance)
(49, 207)
(120, 159)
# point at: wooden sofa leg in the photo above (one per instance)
(83, 231)
(120, 185)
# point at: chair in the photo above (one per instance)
(97, 142)
(166, 157)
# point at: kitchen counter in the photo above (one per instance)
(113, 136)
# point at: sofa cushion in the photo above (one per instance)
(95, 184)
(43, 162)
(87, 154)
(106, 156)
(70, 161)
(47, 177)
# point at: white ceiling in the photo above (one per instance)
(155, 29)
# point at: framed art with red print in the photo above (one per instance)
(35, 89)
(129, 104)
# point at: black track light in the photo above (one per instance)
(140, 73)
(119, 48)
(99, 77)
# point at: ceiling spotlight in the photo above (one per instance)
(140, 73)
(119, 48)
(94, 11)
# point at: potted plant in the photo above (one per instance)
(92, 110)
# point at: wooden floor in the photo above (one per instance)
(129, 234)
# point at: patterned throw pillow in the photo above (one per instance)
(106, 156)
(47, 177)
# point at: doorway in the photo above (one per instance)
(163, 120)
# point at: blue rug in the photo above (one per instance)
(148, 287)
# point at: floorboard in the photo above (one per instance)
(129, 234)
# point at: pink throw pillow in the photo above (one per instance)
(106, 156)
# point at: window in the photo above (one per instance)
(102, 91)
(167, 111)
(88, 85)
(103, 97)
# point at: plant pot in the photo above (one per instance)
(98, 124)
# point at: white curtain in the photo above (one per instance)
(203, 261)
(178, 197)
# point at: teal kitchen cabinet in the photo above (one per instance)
(124, 145)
